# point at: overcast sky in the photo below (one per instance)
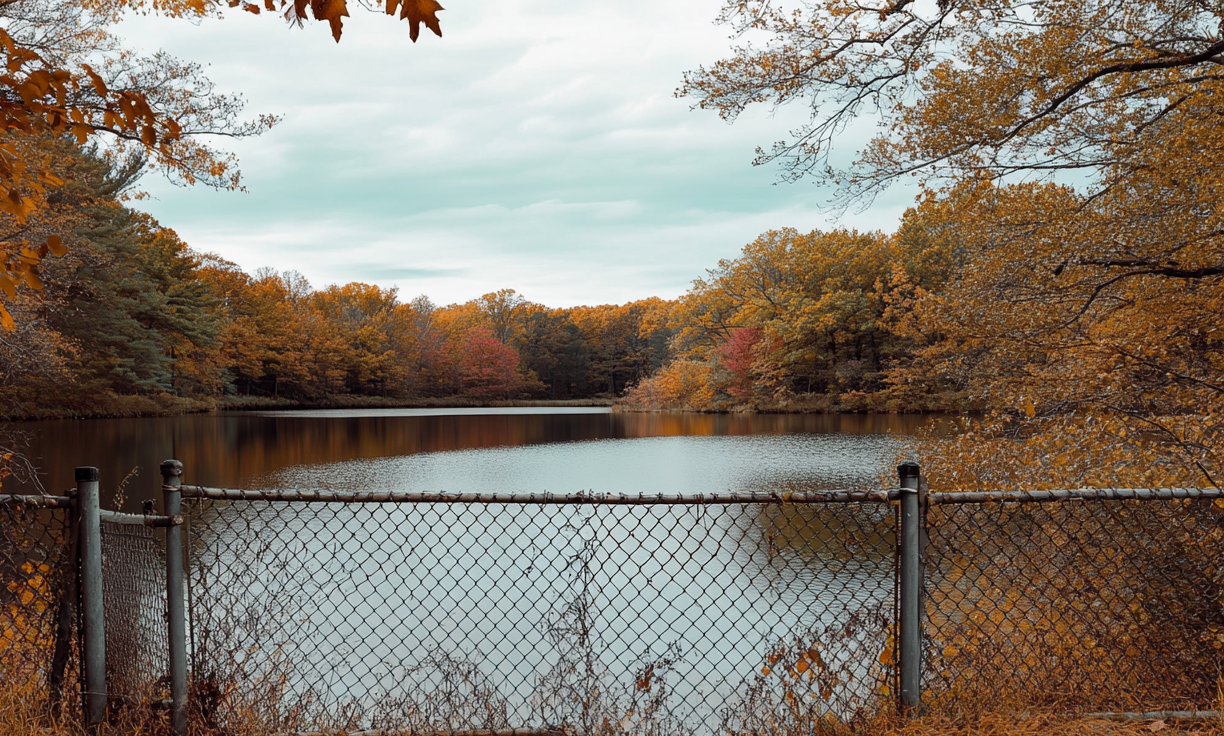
(537, 146)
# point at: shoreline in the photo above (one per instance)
(143, 407)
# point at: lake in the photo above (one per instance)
(642, 451)
(668, 619)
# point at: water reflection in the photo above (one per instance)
(242, 449)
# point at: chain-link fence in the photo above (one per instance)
(84, 609)
(423, 612)
(1089, 603)
(37, 596)
(134, 600)
(666, 616)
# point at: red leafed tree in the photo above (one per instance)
(737, 356)
(488, 369)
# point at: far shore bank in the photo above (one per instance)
(136, 407)
(164, 405)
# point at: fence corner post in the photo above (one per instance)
(93, 616)
(176, 610)
(910, 606)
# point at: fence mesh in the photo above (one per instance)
(1098, 605)
(37, 593)
(603, 619)
(134, 604)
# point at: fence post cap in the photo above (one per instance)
(86, 474)
(908, 469)
(171, 468)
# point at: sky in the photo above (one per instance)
(538, 146)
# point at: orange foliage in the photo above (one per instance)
(489, 369)
(803, 314)
(1084, 315)
(681, 384)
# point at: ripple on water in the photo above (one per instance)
(648, 465)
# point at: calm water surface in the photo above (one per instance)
(554, 449)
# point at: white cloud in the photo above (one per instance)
(537, 146)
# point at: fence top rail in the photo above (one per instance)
(604, 499)
(1080, 494)
(46, 502)
(117, 517)
(622, 499)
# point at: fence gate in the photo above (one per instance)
(114, 580)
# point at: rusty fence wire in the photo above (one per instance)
(660, 616)
(1092, 604)
(37, 596)
(134, 604)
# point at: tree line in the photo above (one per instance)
(132, 320)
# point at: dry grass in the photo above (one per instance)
(1043, 725)
(21, 715)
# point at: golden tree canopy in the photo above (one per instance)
(988, 87)
(1072, 155)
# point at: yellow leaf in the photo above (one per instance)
(31, 277)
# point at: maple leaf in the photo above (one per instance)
(331, 11)
(417, 12)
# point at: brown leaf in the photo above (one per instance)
(644, 680)
(331, 11)
(1155, 726)
(417, 12)
(56, 245)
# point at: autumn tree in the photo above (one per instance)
(627, 342)
(489, 368)
(504, 312)
(806, 315)
(66, 74)
(123, 313)
(553, 350)
(972, 87)
(377, 334)
(1070, 148)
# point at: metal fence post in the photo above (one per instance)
(910, 605)
(92, 612)
(176, 612)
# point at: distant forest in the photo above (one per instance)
(133, 321)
